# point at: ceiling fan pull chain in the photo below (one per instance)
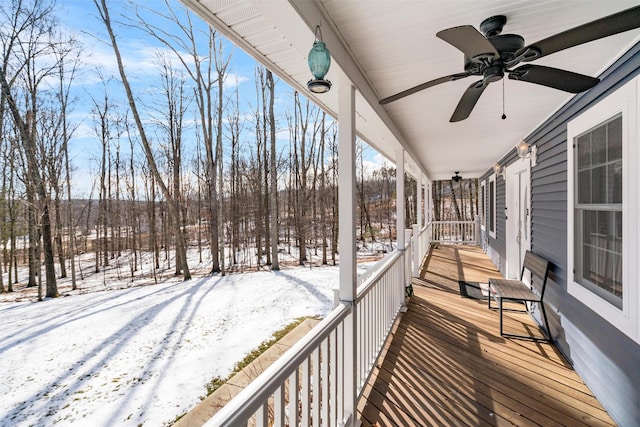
(504, 116)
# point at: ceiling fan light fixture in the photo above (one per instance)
(319, 60)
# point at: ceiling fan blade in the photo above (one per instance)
(469, 41)
(553, 77)
(620, 22)
(423, 86)
(468, 101)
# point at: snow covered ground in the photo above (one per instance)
(141, 355)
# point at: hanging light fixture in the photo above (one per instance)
(319, 61)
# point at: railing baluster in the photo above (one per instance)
(262, 416)
(278, 407)
(340, 372)
(305, 394)
(317, 395)
(326, 381)
(293, 398)
(333, 385)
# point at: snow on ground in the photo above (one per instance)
(142, 355)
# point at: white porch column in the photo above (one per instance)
(347, 241)
(419, 249)
(427, 201)
(420, 209)
(400, 223)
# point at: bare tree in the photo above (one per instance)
(68, 59)
(208, 71)
(303, 155)
(323, 189)
(172, 204)
(27, 39)
(273, 211)
(171, 123)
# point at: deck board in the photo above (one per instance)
(445, 362)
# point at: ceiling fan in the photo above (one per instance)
(493, 54)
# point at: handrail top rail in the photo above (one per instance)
(453, 222)
(376, 271)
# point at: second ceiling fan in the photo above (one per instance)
(493, 54)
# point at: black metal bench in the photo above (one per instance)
(516, 290)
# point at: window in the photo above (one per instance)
(491, 199)
(598, 210)
(602, 157)
(482, 208)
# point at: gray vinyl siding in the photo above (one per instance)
(607, 360)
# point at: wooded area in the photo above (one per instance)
(456, 200)
(190, 169)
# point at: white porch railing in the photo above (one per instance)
(455, 232)
(378, 302)
(420, 245)
(306, 386)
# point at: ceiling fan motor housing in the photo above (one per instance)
(507, 45)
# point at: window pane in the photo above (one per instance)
(589, 226)
(614, 192)
(599, 256)
(599, 146)
(492, 206)
(614, 128)
(483, 207)
(617, 249)
(584, 187)
(584, 150)
(599, 185)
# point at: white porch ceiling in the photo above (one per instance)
(386, 46)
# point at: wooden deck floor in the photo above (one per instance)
(446, 364)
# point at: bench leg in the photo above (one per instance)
(546, 323)
(500, 305)
(490, 295)
(546, 333)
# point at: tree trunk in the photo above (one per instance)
(323, 190)
(273, 208)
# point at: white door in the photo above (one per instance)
(518, 215)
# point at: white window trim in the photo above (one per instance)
(623, 101)
(483, 215)
(493, 178)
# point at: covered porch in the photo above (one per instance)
(441, 360)
(445, 362)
